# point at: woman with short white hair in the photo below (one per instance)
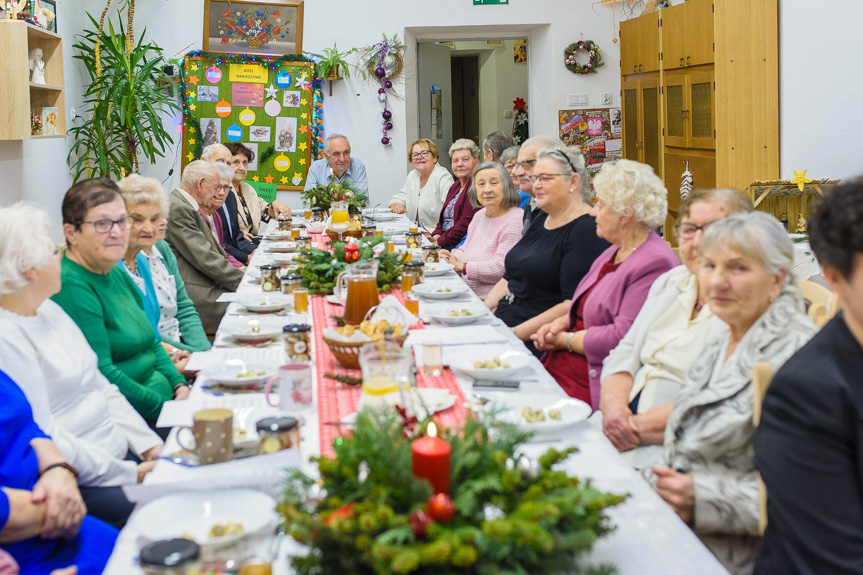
(457, 211)
(45, 352)
(631, 202)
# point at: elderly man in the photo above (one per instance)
(524, 170)
(236, 244)
(338, 165)
(192, 235)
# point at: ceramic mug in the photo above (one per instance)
(214, 435)
(295, 387)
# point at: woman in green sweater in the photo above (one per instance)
(105, 303)
(152, 265)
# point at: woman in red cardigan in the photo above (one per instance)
(457, 211)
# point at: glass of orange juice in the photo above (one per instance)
(340, 220)
(301, 299)
(391, 247)
(413, 229)
(412, 303)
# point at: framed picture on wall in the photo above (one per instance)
(243, 27)
(45, 12)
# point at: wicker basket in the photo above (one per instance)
(334, 236)
(348, 354)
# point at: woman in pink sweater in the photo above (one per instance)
(492, 232)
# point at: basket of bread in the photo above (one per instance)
(345, 342)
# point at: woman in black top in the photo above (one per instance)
(544, 268)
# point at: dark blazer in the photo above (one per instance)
(462, 216)
(809, 450)
(201, 261)
(235, 243)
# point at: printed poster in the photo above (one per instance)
(247, 95)
(286, 134)
(291, 99)
(208, 93)
(259, 133)
(597, 132)
(212, 130)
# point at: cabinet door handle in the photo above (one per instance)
(687, 60)
(681, 61)
(635, 69)
(682, 114)
(639, 67)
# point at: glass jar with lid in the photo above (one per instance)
(413, 240)
(317, 216)
(284, 223)
(171, 557)
(270, 277)
(291, 281)
(431, 254)
(277, 433)
(304, 242)
(298, 341)
(412, 274)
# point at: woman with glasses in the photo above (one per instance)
(152, 265)
(642, 376)
(545, 266)
(509, 158)
(457, 211)
(631, 203)
(99, 296)
(425, 189)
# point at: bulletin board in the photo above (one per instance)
(272, 105)
(597, 132)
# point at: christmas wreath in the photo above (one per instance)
(589, 47)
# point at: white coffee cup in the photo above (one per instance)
(295, 387)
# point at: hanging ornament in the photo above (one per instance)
(273, 108)
(223, 109)
(302, 82)
(382, 97)
(234, 133)
(213, 75)
(685, 182)
(247, 117)
(283, 79)
(272, 91)
(282, 163)
(384, 63)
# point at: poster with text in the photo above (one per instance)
(247, 94)
(594, 132)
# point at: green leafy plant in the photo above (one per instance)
(505, 518)
(323, 196)
(125, 103)
(332, 63)
(320, 268)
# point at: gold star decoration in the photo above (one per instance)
(800, 179)
(303, 102)
(191, 156)
(302, 161)
(191, 141)
(194, 65)
(192, 107)
(284, 179)
(193, 80)
(302, 146)
(191, 130)
(256, 179)
(191, 95)
(304, 129)
(268, 179)
(298, 175)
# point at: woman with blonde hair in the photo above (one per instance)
(425, 189)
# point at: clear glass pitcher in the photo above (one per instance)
(386, 368)
(357, 286)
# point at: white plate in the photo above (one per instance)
(195, 513)
(434, 269)
(430, 290)
(278, 234)
(244, 331)
(316, 229)
(380, 214)
(571, 410)
(426, 399)
(281, 247)
(514, 359)
(334, 300)
(228, 373)
(441, 313)
(281, 259)
(265, 302)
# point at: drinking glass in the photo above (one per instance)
(432, 359)
(301, 300)
(412, 304)
(340, 220)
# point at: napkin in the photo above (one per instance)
(392, 310)
(456, 335)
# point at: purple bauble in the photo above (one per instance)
(380, 72)
(385, 141)
(389, 125)
(387, 114)
(381, 90)
(388, 84)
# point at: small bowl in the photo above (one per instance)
(436, 290)
(434, 269)
(265, 302)
(236, 372)
(514, 361)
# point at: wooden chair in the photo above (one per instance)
(823, 303)
(761, 377)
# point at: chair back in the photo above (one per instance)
(823, 303)
(761, 377)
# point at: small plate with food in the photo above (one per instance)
(542, 413)
(457, 314)
(281, 247)
(379, 214)
(278, 234)
(440, 290)
(433, 269)
(265, 303)
(237, 372)
(498, 366)
(252, 332)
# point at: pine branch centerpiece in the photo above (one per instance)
(503, 512)
(344, 191)
(320, 268)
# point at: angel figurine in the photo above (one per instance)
(37, 66)
(801, 225)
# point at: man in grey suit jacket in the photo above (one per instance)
(201, 261)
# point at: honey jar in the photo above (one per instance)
(298, 341)
(414, 240)
(277, 433)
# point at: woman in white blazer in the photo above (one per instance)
(426, 187)
(642, 376)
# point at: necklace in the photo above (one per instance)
(620, 258)
(133, 269)
(569, 217)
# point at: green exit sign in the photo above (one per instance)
(489, 2)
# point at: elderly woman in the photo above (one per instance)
(425, 189)
(157, 278)
(106, 305)
(89, 419)
(707, 473)
(509, 159)
(494, 230)
(545, 266)
(644, 373)
(631, 202)
(43, 525)
(807, 445)
(494, 145)
(252, 209)
(458, 211)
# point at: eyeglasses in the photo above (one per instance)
(687, 231)
(224, 188)
(105, 226)
(525, 165)
(509, 165)
(543, 178)
(417, 155)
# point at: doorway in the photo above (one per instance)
(465, 98)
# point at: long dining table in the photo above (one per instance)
(649, 538)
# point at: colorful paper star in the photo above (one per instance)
(256, 179)
(191, 156)
(272, 92)
(191, 95)
(302, 146)
(193, 80)
(194, 65)
(269, 179)
(284, 179)
(301, 82)
(192, 107)
(191, 130)
(191, 141)
(303, 102)
(298, 175)
(304, 129)
(302, 161)
(800, 179)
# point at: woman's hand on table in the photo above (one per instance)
(678, 490)
(397, 208)
(182, 392)
(144, 468)
(57, 488)
(277, 208)
(619, 426)
(153, 453)
(447, 256)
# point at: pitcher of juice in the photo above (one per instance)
(357, 286)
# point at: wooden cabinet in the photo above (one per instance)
(702, 166)
(690, 115)
(641, 135)
(687, 34)
(17, 93)
(639, 48)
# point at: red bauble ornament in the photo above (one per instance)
(419, 522)
(346, 510)
(441, 507)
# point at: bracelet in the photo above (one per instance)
(68, 467)
(569, 342)
(179, 385)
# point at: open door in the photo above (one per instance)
(434, 70)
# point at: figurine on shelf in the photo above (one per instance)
(35, 124)
(783, 219)
(37, 66)
(801, 224)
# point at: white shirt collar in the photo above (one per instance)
(189, 199)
